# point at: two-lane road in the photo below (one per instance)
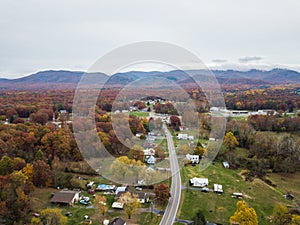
(172, 207)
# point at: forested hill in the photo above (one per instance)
(69, 79)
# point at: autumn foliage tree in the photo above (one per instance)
(199, 218)
(175, 122)
(162, 193)
(281, 215)
(101, 204)
(131, 203)
(244, 215)
(52, 216)
(41, 173)
(230, 143)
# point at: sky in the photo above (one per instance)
(225, 34)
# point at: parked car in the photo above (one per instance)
(205, 189)
(87, 199)
(138, 188)
(68, 214)
(83, 202)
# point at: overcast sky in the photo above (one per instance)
(40, 35)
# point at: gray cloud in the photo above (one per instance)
(219, 60)
(247, 59)
(53, 34)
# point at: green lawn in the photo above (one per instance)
(149, 219)
(139, 114)
(218, 208)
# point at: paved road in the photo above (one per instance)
(172, 207)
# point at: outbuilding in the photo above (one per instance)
(65, 197)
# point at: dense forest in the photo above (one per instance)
(36, 135)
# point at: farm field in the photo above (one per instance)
(218, 208)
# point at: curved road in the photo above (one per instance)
(172, 207)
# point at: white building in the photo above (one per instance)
(150, 159)
(192, 158)
(218, 188)
(199, 182)
(182, 136)
(226, 165)
(121, 189)
(149, 151)
(117, 205)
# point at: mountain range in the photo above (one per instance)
(52, 79)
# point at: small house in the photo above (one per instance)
(182, 136)
(190, 138)
(218, 188)
(150, 159)
(141, 196)
(199, 182)
(192, 158)
(65, 197)
(149, 151)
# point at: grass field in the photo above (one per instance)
(139, 114)
(218, 208)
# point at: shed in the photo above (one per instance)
(117, 205)
(65, 197)
(226, 165)
(218, 188)
(121, 189)
(237, 195)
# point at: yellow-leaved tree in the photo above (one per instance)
(50, 216)
(230, 143)
(244, 215)
(100, 204)
(131, 203)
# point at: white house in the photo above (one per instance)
(182, 136)
(218, 188)
(149, 151)
(150, 159)
(199, 182)
(192, 158)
